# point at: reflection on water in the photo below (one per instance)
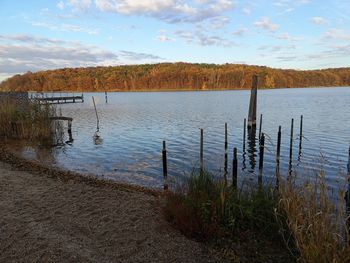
(132, 127)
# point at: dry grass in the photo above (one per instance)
(29, 121)
(316, 223)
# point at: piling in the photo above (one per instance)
(234, 168)
(244, 131)
(165, 167)
(261, 158)
(300, 134)
(278, 154)
(260, 125)
(226, 146)
(201, 153)
(252, 103)
(291, 147)
(106, 97)
(98, 121)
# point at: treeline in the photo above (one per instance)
(172, 76)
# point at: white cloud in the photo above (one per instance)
(337, 34)
(318, 20)
(66, 28)
(163, 37)
(81, 5)
(266, 24)
(200, 38)
(247, 10)
(23, 53)
(240, 31)
(60, 5)
(287, 37)
(172, 11)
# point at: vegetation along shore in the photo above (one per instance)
(173, 76)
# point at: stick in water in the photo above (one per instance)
(98, 121)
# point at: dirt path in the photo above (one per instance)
(45, 219)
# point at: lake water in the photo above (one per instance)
(133, 126)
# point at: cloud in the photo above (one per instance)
(200, 38)
(317, 20)
(337, 34)
(80, 5)
(246, 10)
(162, 37)
(66, 28)
(23, 53)
(265, 24)
(240, 31)
(287, 37)
(173, 11)
(60, 5)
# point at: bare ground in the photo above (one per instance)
(46, 218)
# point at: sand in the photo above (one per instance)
(46, 218)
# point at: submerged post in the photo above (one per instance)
(165, 167)
(260, 126)
(278, 154)
(261, 158)
(300, 134)
(106, 97)
(98, 121)
(234, 168)
(252, 103)
(244, 135)
(291, 147)
(226, 145)
(201, 153)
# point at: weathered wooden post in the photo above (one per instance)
(234, 168)
(261, 158)
(347, 200)
(106, 97)
(165, 167)
(291, 147)
(225, 164)
(300, 134)
(252, 103)
(278, 154)
(244, 133)
(82, 97)
(98, 121)
(260, 126)
(201, 154)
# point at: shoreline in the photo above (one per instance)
(179, 90)
(47, 215)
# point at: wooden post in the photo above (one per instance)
(165, 167)
(225, 164)
(260, 125)
(106, 97)
(261, 158)
(291, 147)
(98, 121)
(201, 153)
(347, 200)
(300, 134)
(252, 103)
(244, 133)
(278, 154)
(234, 168)
(82, 97)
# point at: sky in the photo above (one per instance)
(297, 34)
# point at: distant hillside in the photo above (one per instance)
(172, 76)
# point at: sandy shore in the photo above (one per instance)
(52, 217)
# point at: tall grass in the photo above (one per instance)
(310, 222)
(30, 121)
(316, 222)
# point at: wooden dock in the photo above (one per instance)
(61, 99)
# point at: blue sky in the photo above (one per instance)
(298, 34)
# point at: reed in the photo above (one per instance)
(30, 121)
(316, 222)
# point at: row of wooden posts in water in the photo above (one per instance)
(251, 130)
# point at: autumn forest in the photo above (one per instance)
(172, 76)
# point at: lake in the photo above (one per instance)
(133, 126)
